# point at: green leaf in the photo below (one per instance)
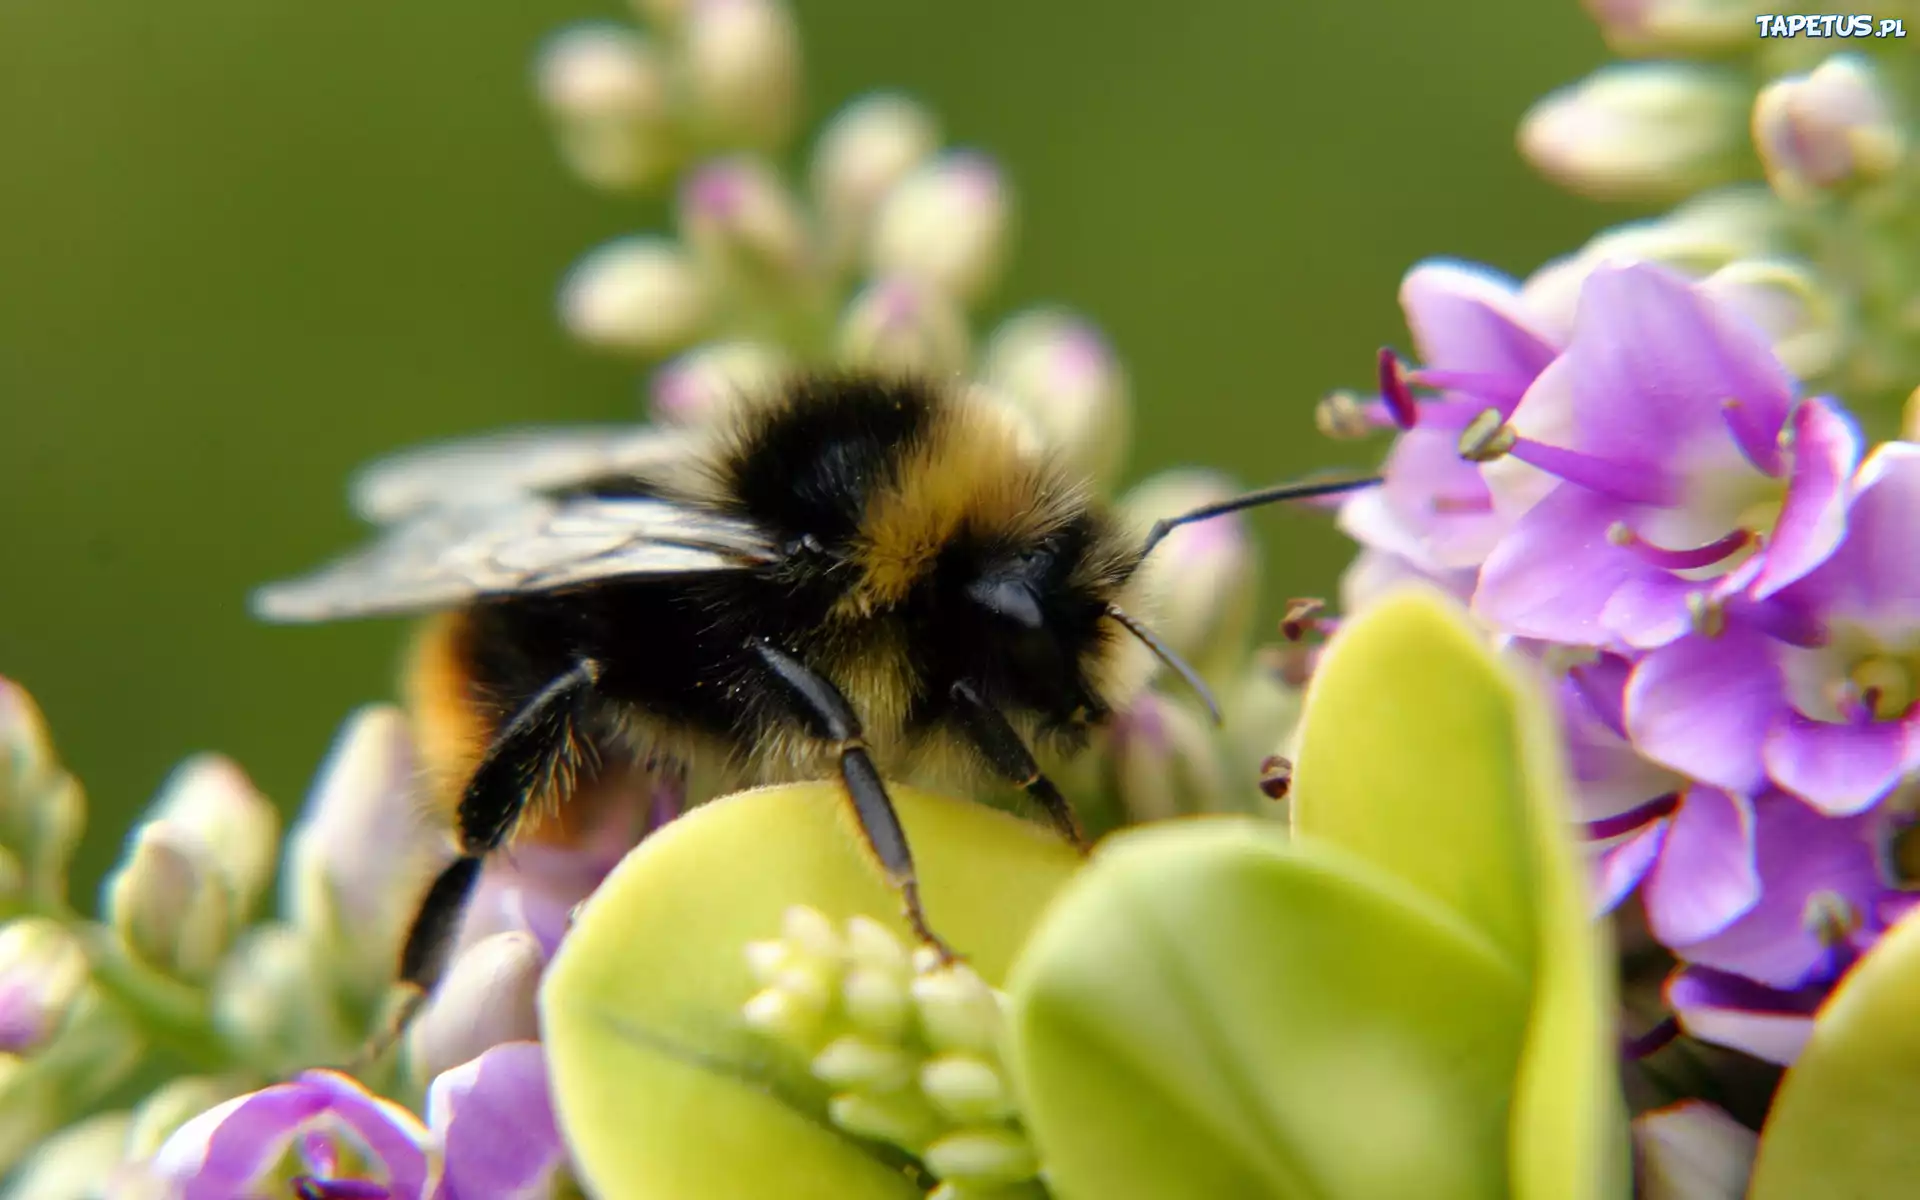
(660, 1088)
(1427, 755)
(1211, 1011)
(1846, 1120)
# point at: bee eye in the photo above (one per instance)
(1009, 599)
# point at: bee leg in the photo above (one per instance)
(999, 743)
(827, 715)
(538, 750)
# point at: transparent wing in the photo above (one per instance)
(494, 466)
(515, 544)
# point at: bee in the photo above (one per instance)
(846, 576)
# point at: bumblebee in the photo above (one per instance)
(854, 574)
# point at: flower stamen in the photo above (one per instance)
(1638, 817)
(1394, 390)
(1707, 613)
(1716, 551)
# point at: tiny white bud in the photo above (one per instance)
(808, 984)
(737, 215)
(1640, 130)
(1059, 369)
(875, 1001)
(236, 828)
(1204, 579)
(741, 63)
(42, 972)
(868, 147)
(638, 295)
(871, 944)
(765, 960)
(706, 382)
(488, 997)
(780, 1015)
(41, 806)
(1788, 303)
(1643, 27)
(958, 1011)
(947, 224)
(982, 1157)
(272, 996)
(902, 325)
(811, 932)
(608, 91)
(1828, 129)
(860, 1064)
(168, 903)
(967, 1089)
(903, 1119)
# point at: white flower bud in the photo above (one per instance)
(608, 92)
(1058, 369)
(958, 1011)
(487, 998)
(1203, 579)
(168, 904)
(272, 996)
(639, 295)
(1165, 762)
(1640, 130)
(741, 61)
(868, 147)
(946, 224)
(41, 806)
(982, 1157)
(875, 1001)
(1787, 302)
(904, 1118)
(42, 972)
(363, 852)
(707, 381)
(738, 216)
(1827, 129)
(861, 1064)
(967, 1089)
(872, 945)
(1642, 27)
(237, 829)
(901, 325)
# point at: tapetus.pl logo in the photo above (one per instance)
(1840, 25)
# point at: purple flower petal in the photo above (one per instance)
(1619, 868)
(1650, 609)
(1466, 317)
(1703, 707)
(1730, 1011)
(1553, 573)
(1874, 577)
(1439, 498)
(1705, 877)
(1802, 856)
(1840, 768)
(1657, 363)
(495, 1119)
(1826, 449)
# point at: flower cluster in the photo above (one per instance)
(1638, 468)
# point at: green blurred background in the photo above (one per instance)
(247, 244)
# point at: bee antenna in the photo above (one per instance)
(1165, 654)
(1303, 490)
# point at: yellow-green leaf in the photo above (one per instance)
(1846, 1120)
(1427, 755)
(1211, 1011)
(660, 1088)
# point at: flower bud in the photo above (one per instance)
(904, 1119)
(637, 295)
(1165, 762)
(42, 971)
(78, 1161)
(737, 216)
(170, 1106)
(741, 64)
(967, 1089)
(1787, 302)
(362, 852)
(868, 147)
(609, 95)
(1060, 371)
(862, 1064)
(273, 997)
(1825, 130)
(982, 1157)
(704, 383)
(1203, 579)
(488, 997)
(238, 830)
(958, 1011)
(946, 224)
(168, 903)
(1642, 130)
(41, 807)
(1644, 27)
(901, 325)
